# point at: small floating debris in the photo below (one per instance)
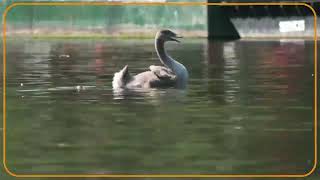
(61, 88)
(119, 121)
(64, 56)
(21, 84)
(62, 145)
(30, 90)
(78, 88)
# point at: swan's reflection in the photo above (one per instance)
(152, 95)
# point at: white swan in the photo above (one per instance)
(172, 73)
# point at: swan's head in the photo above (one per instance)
(167, 35)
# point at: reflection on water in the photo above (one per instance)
(247, 109)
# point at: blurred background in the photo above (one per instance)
(144, 21)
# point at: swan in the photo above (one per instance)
(172, 74)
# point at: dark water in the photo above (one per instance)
(247, 109)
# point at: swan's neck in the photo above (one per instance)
(176, 67)
(164, 57)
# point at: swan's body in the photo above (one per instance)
(172, 73)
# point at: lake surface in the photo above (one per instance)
(248, 108)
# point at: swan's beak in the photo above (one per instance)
(176, 38)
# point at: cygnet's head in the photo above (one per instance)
(167, 35)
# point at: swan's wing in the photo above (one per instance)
(124, 73)
(121, 78)
(163, 73)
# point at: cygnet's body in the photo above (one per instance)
(172, 74)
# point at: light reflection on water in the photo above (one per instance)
(247, 108)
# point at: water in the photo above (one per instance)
(247, 109)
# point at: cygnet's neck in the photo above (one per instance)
(164, 57)
(176, 67)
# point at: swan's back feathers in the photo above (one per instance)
(165, 77)
(163, 73)
(158, 76)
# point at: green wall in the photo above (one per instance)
(104, 19)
